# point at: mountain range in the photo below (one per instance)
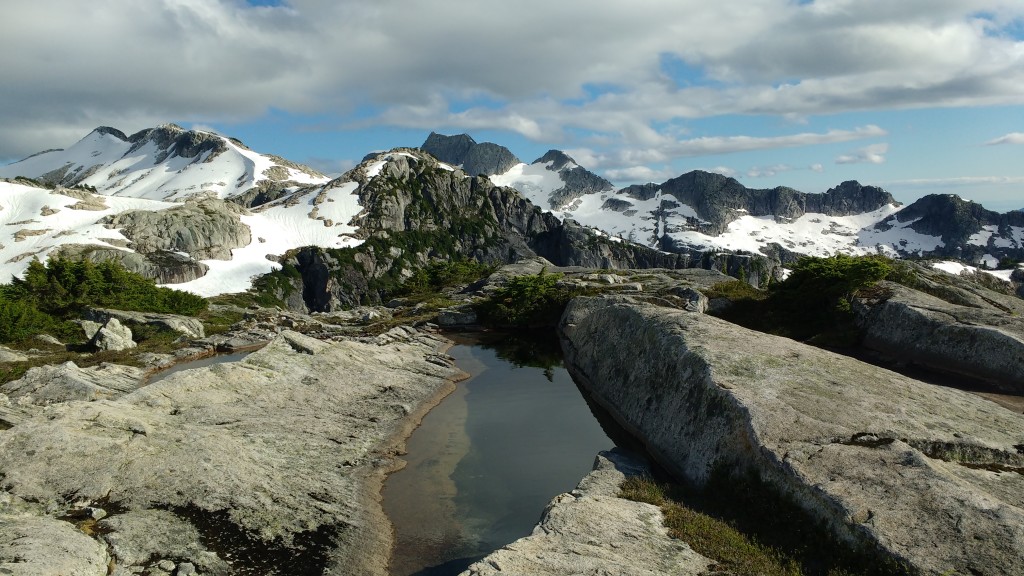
(208, 214)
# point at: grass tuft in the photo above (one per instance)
(747, 531)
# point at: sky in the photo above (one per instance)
(916, 96)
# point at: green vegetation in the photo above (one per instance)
(528, 301)
(735, 290)
(813, 303)
(819, 290)
(50, 295)
(444, 274)
(749, 531)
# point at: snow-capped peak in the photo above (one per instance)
(167, 163)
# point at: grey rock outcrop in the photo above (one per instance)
(928, 475)
(30, 546)
(136, 538)
(917, 328)
(593, 531)
(463, 315)
(279, 456)
(65, 382)
(205, 229)
(162, 266)
(8, 355)
(185, 325)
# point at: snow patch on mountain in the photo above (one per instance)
(34, 221)
(958, 268)
(535, 182)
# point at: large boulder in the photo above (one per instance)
(277, 458)
(205, 229)
(924, 474)
(162, 266)
(8, 355)
(110, 336)
(184, 325)
(913, 327)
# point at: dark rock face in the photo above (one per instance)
(448, 149)
(955, 220)
(475, 158)
(616, 205)
(111, 132)
(557, 158)
(578, 180)
(719, 199)
(488, 158)
(641, 191)
(173, 140)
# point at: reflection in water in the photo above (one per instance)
(486, 461)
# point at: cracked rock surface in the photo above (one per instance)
(930, 475)
(267, 465)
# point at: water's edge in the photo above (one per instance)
(484, 464)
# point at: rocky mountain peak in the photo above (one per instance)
(173, 140)
(851, 197)
(107, 130)
(474, 158)
(556, 158)
(448, 149)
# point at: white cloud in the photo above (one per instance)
(816, 168)
(873, 154)
(636, 174)
(767, 171)
(1011, 138)
(728, 144)
(527, 67)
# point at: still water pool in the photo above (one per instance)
(486, 461)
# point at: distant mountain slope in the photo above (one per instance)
(709, 212)
(963, 229)
(554, 181)
(204, 212)
(167, 163)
